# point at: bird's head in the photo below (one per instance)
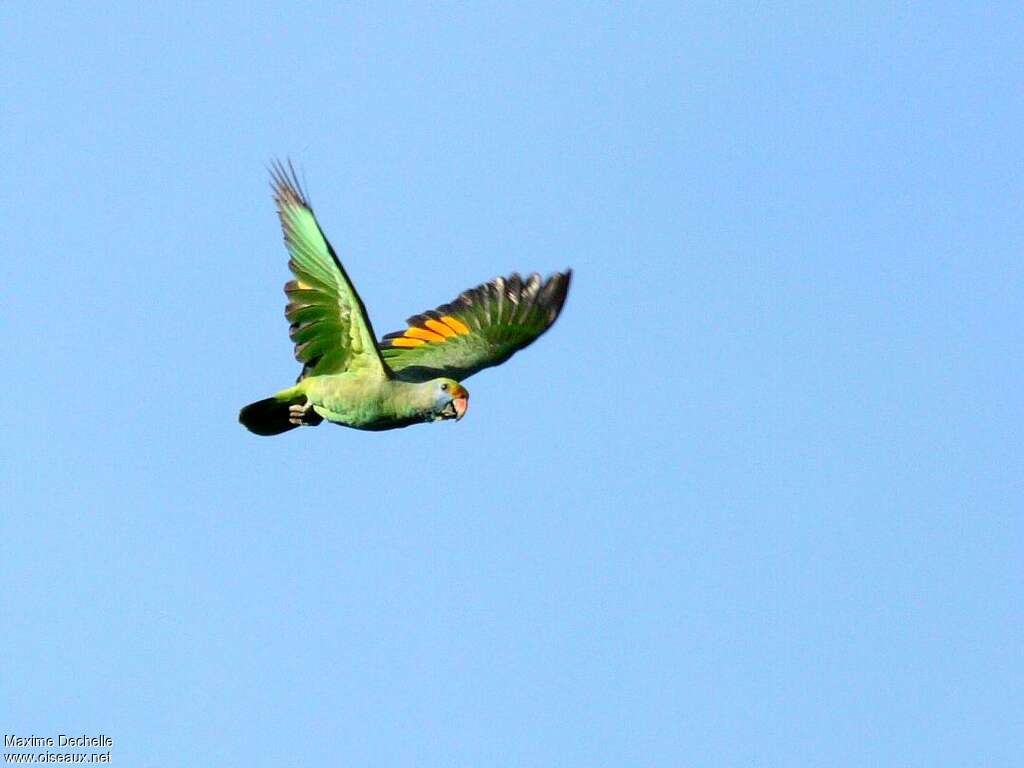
(450, 399)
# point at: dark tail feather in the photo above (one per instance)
(266, 417)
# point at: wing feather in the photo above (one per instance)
(328, 322)
(481, 328)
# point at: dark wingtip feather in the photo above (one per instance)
(284, 182)
(549, 294)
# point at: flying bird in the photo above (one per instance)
(349, 377)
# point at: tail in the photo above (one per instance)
(270, 416)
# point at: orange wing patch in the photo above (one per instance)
(402, 341)
(456, 325)
(428, 329)
(438, 327)
(423, 333)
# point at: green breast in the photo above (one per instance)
(353, 401)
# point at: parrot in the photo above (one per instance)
(349, 376)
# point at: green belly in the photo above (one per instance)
(352, 401)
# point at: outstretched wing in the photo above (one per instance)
(484, 326)
(329, 325)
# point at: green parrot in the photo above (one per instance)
(349, 377)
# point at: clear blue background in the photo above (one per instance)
(754, 501)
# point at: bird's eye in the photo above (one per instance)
(444, 387)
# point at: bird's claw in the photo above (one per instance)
(303, 415)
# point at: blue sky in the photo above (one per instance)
(755, 499)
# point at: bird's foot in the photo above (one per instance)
(304, 415)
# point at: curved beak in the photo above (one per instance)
(461, 402)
